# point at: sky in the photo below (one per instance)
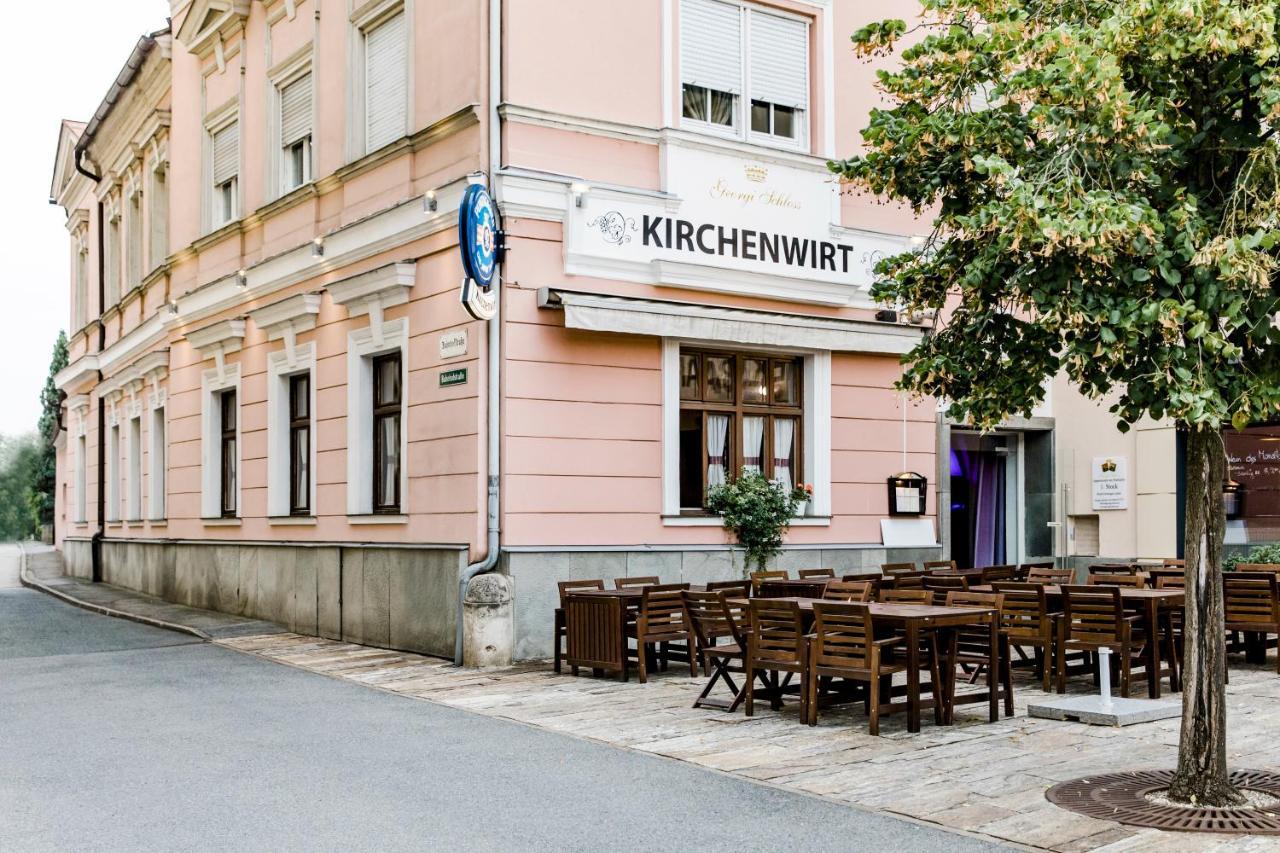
(60, 63)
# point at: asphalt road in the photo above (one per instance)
(116, 736)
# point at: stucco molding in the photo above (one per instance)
(209, 23)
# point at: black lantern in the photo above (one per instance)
(1232, 499)
(906, 493)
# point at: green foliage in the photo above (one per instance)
(1105, 188)
(1261, 554)
(19, 463)
(46, 475)
(757, 511)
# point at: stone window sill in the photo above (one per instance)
(292, 521)
(377, 519)
(714, 521)
(220, 522)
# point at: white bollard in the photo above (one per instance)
(488, 624)
(1104, 675)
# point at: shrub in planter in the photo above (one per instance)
(757, 512)
(1261, 554)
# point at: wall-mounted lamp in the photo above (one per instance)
(429, 202)
(579, 190)
(173, 308)
(317, 247)
(917, 241)
(242, 279)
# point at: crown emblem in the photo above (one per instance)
(756, 173)
(1109, 465)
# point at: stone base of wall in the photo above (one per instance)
(536, 573)
(398, 598)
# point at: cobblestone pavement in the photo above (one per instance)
(985, 778)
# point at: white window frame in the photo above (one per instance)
(279, 372)
(379, 338)
(133, 506)
(741, 129)
(217, 121)
(80, 271)
(286, 73)
(113, 467)
(158, 216)
(112, 254)
(365, 17)
(80, 511)
(816, 443)
(212, 384)
(133, 239)
(158, 460)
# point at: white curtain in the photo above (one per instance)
(783, 432)
(753, 444)
(717, 433)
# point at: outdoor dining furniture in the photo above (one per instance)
(1178, 581)
(905, 596)
(905, 580)
(1049, 575)
(805, 574)
(893, 569)
(1112, 569)
(945, 583)
(760, 577)
(1135, 581)
(873, 576)
(624, 583)
(1174, 562)
(776, 643)
(660, 625)
(720, 641)
(859, 591)
(733, 589)
(1156, 572)
(791, 587)
(844, 645)
(971, 647)
(933, 565)
(1258, 567)
(1094, 618)
(1025, 621)
(564, 588)
(991, 574)
(1252, 607)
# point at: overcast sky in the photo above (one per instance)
(61, 59)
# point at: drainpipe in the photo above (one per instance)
(95, 546)
(493, 339)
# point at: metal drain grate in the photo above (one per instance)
(1121, 797)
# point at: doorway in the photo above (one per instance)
(980, 492)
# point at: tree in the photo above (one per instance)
(1105, 189)
(19, 461)
(46, 475)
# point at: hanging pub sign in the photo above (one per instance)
(479, 240)
(906, 493)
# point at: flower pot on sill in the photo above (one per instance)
(802, 509)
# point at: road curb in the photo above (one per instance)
(26, 580)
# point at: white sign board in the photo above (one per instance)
(453, 344)
(1110, 482)
(731, 224)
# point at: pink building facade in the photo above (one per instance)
(277, 405)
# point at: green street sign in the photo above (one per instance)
(453, 377)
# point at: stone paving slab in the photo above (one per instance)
(986, 779)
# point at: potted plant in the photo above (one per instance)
(757, 511)
(804, 493)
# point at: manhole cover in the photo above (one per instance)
(1122, 797)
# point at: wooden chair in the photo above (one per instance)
(772, 589)
(991, 574)
(1094, 617)
(1112, 569)
(872, 576)
(1252, 606)
(935, 565)
(1258, 567)
(905, 580)
(1026, 621)
(1156, 572)
(844, 645)
(1050, 576)
(561, 629)
(1130, 581)
(1174, 562)
(731, 589)
(943, 584)
(1178, 581)
(660, 623)
(892, 569)
(971, 647)
(776, 643)
(859, 591)
(625, 583)
(759, 577)
(905, 596)
(805, 574)
(713, 620)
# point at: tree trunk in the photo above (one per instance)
(1201, 776)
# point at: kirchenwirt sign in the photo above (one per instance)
(479, 241)
(732, 225)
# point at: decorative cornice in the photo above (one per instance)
(77, 373)
(376, 289)
(209, 23)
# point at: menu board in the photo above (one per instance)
(1253, 460)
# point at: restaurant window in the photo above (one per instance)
(734, 53)
(300, 444)
(386, 433)
(738, 411)
(227, 454)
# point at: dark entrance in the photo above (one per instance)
(979, 499)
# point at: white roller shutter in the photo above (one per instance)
(779, 60)
(226, 153)
(295, 110)
(711, 45)
(385, 88)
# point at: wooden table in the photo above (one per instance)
(1150, 603)
(596, 627)
(914, 618)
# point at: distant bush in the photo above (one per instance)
(1261, 554)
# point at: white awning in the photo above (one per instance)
(597, 313)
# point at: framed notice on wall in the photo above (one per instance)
(1110, 482)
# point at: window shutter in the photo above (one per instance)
(711, 45)
(385, 87)
(295, 110)
(779, 60)
(226, 153)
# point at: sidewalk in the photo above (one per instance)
(978, 778)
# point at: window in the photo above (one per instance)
(386, 82)
(718, 65)
(156, 457)
(386, 433)
(300, 444)
(135, 469)
(113, 472)
(159, 213)
(295, 133)
(112, 261)
(738, 411)
(133, 233)
(227, 454)
(81, 306)
(225, 171)
(82, 456)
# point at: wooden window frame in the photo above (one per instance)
(380, 412)
(299, 504)
(739, 409)
(228, 451)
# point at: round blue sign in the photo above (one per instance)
(478, 235)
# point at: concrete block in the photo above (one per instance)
(351, 622)
(845, 560)
(409, 605)
(707, 566)
(661, 564)
(328, 593)
(1117, 712)
(376, 606)
(303, 605)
